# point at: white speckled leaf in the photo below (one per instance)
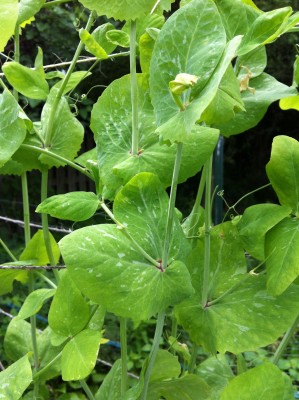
(12, 382)
(8, 19)
(247, 318)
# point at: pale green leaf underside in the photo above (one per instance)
(28, 8)
(283, 171)
(189, 27)
(37, 252)
(263, 382)
(247, 318)
(256, 221)
(73, 206)
(12, 382)
(8, 19)
(79, 356)
(8, 276)
(282, 255)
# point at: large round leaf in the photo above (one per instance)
(244, 319)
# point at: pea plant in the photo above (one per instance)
(202, 76)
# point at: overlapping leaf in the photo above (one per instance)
(108, 268)
(8, 19)
(111, 124)
(245, 314)
(263, 382)
(266, 90)
(283, 171)
(282, 252)
(28, 8)
(12, 383)
(12, 128)
(196, 55)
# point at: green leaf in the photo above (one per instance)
(8, 19)
(247, 317)
(178, 128)
(263, 382)
(75, 79)
(283, 171)
(265, 29)
(216, 372)
(146, 47)
(289, 102)
(124, 9)
(28, 8)
(151, 21)
(8, 276)
(113, 137)
(92, 46)
(13, 383)
(119, 38)
(166, 366)
(34, 302)
(69, 312)
(197, 56)
(67, 131)
(36, 249)
(74, 206)
(190, 387)
(110, 389)
(12, 128)
(266, 90)
(227, 101)
(237, 19)
(108, 268)
(296, 72)
(256, 221)
(281, 250)
(99, 34)
(79, 356)
(252, 63)
(30, 82)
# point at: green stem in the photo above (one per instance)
(11, 255)
(46, 367)
(45, 225)
(134, 89)
(171, 206)
(26, 209)
(192, 363)
(283, 344)
(128, 235)
(57, 157)
(86, 389)
(174, 331)
(192, 223)
(53, 112)
(46, 279)
(123, 348)
(207, 252)
(153, 353)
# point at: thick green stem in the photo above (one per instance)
(207, 252)
(153, 353)
(123, 348)
(285, 341)
(26, 208)
(53, 112)
(134, 89)
(86, 389)
(192, 363)
(57, 157)
(45, 225)
(128, 235)
(171, 206)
